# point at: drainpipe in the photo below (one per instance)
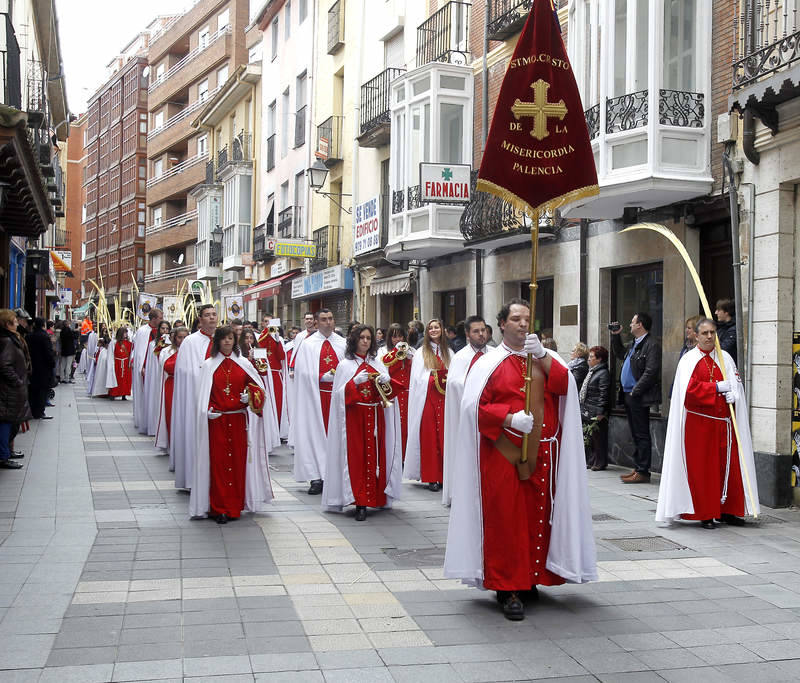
(583, 296)
(749, 137)
(737, 262)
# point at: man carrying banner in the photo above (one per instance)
(520, 514)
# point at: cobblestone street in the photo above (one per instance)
(105, 578)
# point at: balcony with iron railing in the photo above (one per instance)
(290, 222)
(239, 151)
(376, 108)
(329, 141)
(215, 257)
(300, 127)
(335, 27)
(507, 17)
(11, 71)
(260, 243)
(327, 244)
(444, 36)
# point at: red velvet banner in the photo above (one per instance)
(538, 155)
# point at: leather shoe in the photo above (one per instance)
(10, 465)
(595, 468)
(222, 519)
(434, 486)
(733, 520)
(46, 417)
(17, 455)
(316, 487)
(513, 609)
(529, 596)
(708, 524)
(637, 478)
(361, 513)
(627, 476)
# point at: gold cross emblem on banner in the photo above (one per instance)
(540, 109)
(328, 360)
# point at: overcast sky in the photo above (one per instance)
(93, 32)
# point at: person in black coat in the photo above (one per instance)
(595, 398)
(725, 313)
(67, 339)
(13, 385)
(43, 361)
(577, 363)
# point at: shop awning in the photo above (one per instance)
(393, 284)
(266, 289)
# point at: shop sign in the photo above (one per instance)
(330, 279)
(295, 249)
(448, 183)
(280, 267)
(367, 226)
(65, 255)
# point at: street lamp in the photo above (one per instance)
(317, 175)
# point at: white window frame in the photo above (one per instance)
(275, 34)
(157, 216)
(202, 145)
(203, 38)
(287, 18)
(158, 168)
(222, 75)
(224, 19)
(202, 90)
(158, 120)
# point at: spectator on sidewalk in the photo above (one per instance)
(43, 361)
(725, 312)
(67, 339)
(14, 407)
(595, 396)
(689, 335)
(578, 365)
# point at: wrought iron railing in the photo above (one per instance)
(260, 243)
(376, 99)
(237, 151)
(398, 201)
(222, 158)
(444, 36)
(12, 77)
(678, 108)
(36, 86)
(210, 172)
(626, 112)
(329, 140)
(300, 127)
(214, 253)
(271, 152)
(288, 221)
(507, 17)
(335, 26)
(767, 34)
(593, 121)
(320, 261)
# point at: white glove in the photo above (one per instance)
(244, 397)
(213, 415)
(383, 378)
(522, 421)
(361, 377)
(534, 346)
(724, 386)
(730, 397)
(327, 377)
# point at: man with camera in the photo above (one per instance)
(640, 382)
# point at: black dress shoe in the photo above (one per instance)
(361, 513)
(46, 417)
(732, 520)
(513, 609)
(10, 465)
(222, 519)
(316, 487)
(529, 596)
(708, 524)
(434, 486)
(17, 455)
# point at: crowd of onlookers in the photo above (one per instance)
(35, 355)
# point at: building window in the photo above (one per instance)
(274, 37)
(222, 75)
(680, 45)
(255, 53)
(630, 56)
(287, 19)
(203, 39)
(158, 168)
(202, 145)
(160, 71)
(299, 202)
(302, 11)
(202, 90)
(300, 110)
(223, 19)
(158, 120)
(287, 116)
(157, 212)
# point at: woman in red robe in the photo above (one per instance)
(398, 363)
(122, 360)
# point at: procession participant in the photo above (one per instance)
(152, 375)
(425, 447)
(99, 384)
(87, 357)
(315, 365)
(121, 366)
(247, 342)
(508, 534)
(190, 358)
(702, 477)
(167, 359)
(235, 432)
(398, 363)
(237, 326)
(463, 360)
(309, 322)
(364, 461)
(276, 358)
(141, 342)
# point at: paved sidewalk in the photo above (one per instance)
(103, 577)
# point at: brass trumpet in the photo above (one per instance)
(272, 329)
(384, 389)
(402, 350)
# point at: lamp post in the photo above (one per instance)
(317, 175)
(215, 252)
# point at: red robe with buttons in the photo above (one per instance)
(400, 372)
(516, 514)
(706, 446)
(328, 360)
(169, 385)
(276, 355)
(431, 429)
(366, 441)
(122, 370)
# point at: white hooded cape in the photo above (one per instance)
(572, 553)
(162, 435)
(183, 434)
(261, 435)
(99, 387)
(338, 491)
(87, 356)
(456, 376)
(291, 394)
(310, 440)
(140, 343)
(111, 366)
(674, 495)
(152, 387)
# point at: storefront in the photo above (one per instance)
(395, 294)
(330, 288)
(264, 299)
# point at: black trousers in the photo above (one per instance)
(37, 397)
(639, 423)
(597, 450)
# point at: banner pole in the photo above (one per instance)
(533, 286)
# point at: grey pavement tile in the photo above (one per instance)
(149, 621)
(153, 607)
(231, 678)
(610, 662)
(634, 677)
(674, 659)
(215, 648)
(149, 651)
(156, 634)
(725, 653)
(150, 670)
(89, 673)
(216, 666)
(230, 631)
(270, 629)
(293, 661)
(776, 649)
(763, 672)
(86, 638)
(82, 655)
(20, 675)
(264, 645)
(707, 674)
(290, 677)
(401, 656)
(269, 614)
(643, 641)
(359, 675)
(477, 672)
(425, 673)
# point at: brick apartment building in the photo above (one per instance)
(190, 59)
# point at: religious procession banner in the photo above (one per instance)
(173, 308)
(146, 303)
(234, 307)
(538, 154)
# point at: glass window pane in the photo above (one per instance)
(642, 44)
(620, 46)
(679, 45)
(422, 85)
(451, 133)
(451, 82)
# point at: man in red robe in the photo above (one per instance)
(122, 371)
(398, 365)
(276, 357)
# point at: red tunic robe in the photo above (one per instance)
(705, 442)
(366, 441)
(169, 385)
(227, 440)
(516, 514)
(400, 372)
(328, 360)
(122, 371)
(276, 354)
(431, 430)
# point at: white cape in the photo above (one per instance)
(111, 366)
(152, 388)
(310, 440)
(674, 495)
(294, 347)
(100, 372)
(456, 376)
(183, 434)
(261, 434)
(87, 355)
(338, 491)
(162, 435)
(140, 342)
(572, 553)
